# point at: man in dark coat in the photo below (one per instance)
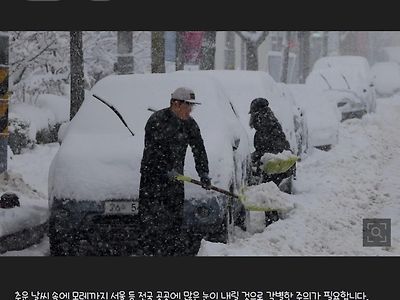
(268, 138)
(168, 133)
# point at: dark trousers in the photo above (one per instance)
(161, 230)
(161, 216)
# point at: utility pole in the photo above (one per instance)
(4, 95)
(77, 88)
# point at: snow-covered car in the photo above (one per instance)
(358, 76)
(335, 86)
(299, 121)
(322, 116)
(386, 78)
(241, 87)
(97, 167)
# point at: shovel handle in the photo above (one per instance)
(212, 187)
(217, 189)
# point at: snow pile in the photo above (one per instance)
(39, 118)
(58, 105)
(267, 196)
(33, 165)
(335, 191)
(18, 218)
(386, 78)
(33, 210)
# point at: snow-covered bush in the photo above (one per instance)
(48, 135)
(43, 121)
(20, 134)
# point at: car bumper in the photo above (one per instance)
(84, 225)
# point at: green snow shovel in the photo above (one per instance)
(240, 197)
(279, 165)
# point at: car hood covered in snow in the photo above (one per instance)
(99, 159)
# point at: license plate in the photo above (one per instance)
(121, 207)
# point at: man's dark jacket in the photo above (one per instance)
(161, 198)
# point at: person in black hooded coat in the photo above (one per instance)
(168, 133)
(268, 138)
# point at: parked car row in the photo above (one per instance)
(347, 82)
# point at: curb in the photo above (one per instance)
(23, 239)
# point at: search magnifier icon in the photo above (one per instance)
(376, 232)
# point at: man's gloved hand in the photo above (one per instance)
(172, 174)
(205, 182)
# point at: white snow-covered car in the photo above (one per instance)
(321, 115)
(98, 165)
(241, 87)
(358, 76)
(335, 86)
(299, 121)
(386, 78)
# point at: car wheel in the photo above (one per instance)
(219, 234)
(191, 242)
(240, 219)
(286, 185)
(271, 217)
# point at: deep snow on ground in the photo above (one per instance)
(33, 165)
(335, 190)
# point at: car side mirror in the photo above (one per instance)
(235, 144)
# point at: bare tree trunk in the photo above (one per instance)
(285, 57)
(179, 59)
(77, 88)
(207, 55)
(252, 45)
(251, 57)
(125, 56)
(304, 55)
(4, 94)
(157, 52)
